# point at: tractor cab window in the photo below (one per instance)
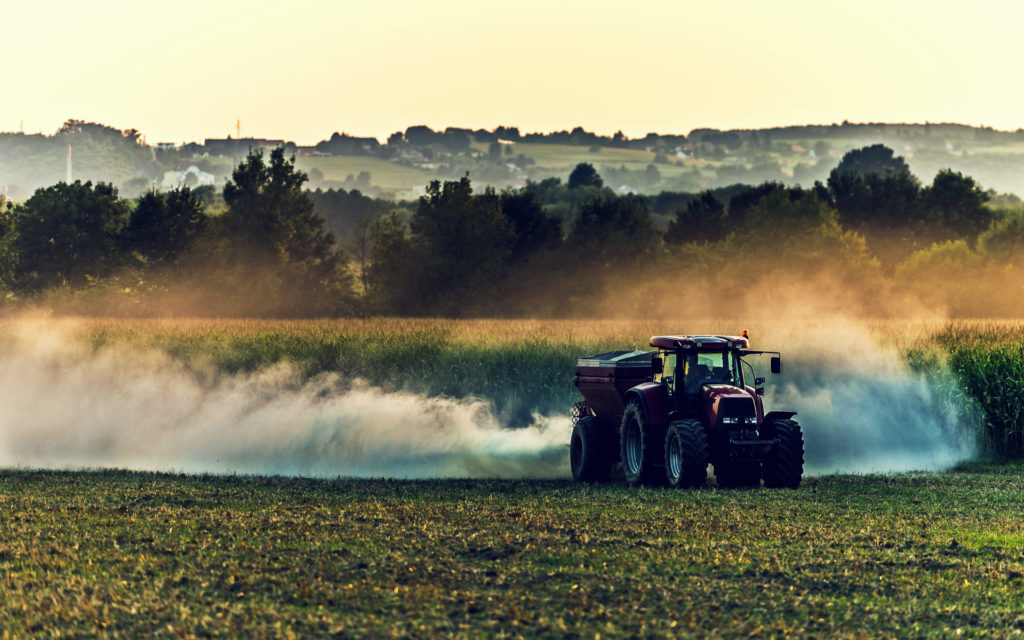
(711, 367)
(668, 370)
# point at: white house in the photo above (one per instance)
(174, 179)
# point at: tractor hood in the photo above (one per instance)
(726, 401)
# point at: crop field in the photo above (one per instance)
(565, 157)
(122, 553)
(525, 366)
(131, 554)
(383, 174)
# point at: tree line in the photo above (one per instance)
(550, 248)
(266, 252)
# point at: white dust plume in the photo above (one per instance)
(64, 404)
(861, 408)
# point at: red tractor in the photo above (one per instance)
(665, 414)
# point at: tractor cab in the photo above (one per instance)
(687, 365)
(687, 369)
(706, 378)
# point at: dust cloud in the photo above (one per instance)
(64, 404)
(861, 408)
(67, 404)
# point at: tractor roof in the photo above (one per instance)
(708, 343)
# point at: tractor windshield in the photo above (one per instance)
(710, 367)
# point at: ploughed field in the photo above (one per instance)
(132, 554)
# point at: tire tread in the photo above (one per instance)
(784, 468)
(694, 447)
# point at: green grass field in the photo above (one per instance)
(129, 554)
(386, 175)
(395, 177)
(125, 554)
(563, 156)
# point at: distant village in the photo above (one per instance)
(504, 157)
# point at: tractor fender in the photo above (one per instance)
(654, 401)
(778, 415)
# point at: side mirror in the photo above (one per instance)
(776, 364)
(759, 391)
(758, 382)
(657, 366)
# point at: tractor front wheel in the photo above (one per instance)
(784, 466)
(686, 454)
(589, 456)
(642, 448)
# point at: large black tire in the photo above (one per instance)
(784, 466)
(590, 451)
(739, 474)
(686, 455)
(642, 447)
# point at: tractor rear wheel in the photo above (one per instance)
(642, 448)
(589, 454)
(784, 466)
(686, 454)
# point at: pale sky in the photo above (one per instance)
(300, 70)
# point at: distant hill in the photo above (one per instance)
(401, 166)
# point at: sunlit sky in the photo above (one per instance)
(300, 70)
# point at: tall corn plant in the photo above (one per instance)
(994, 377)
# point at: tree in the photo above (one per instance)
(8, 257)
(391, 272)
(872, 189)
(954, 204)
(494, 151)
(1004, 239)
(534, 230)
(618, 227)
(651, 175)
(162, 226)
(136, 186)
(421, 135)
(463, 241)
(360, 247)
(747, 197)
(702, 220)
(271, 224)
(585, 175)
(343, 210)
(66, 233)
(456, 140)
(877, 158)
(770, 226)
